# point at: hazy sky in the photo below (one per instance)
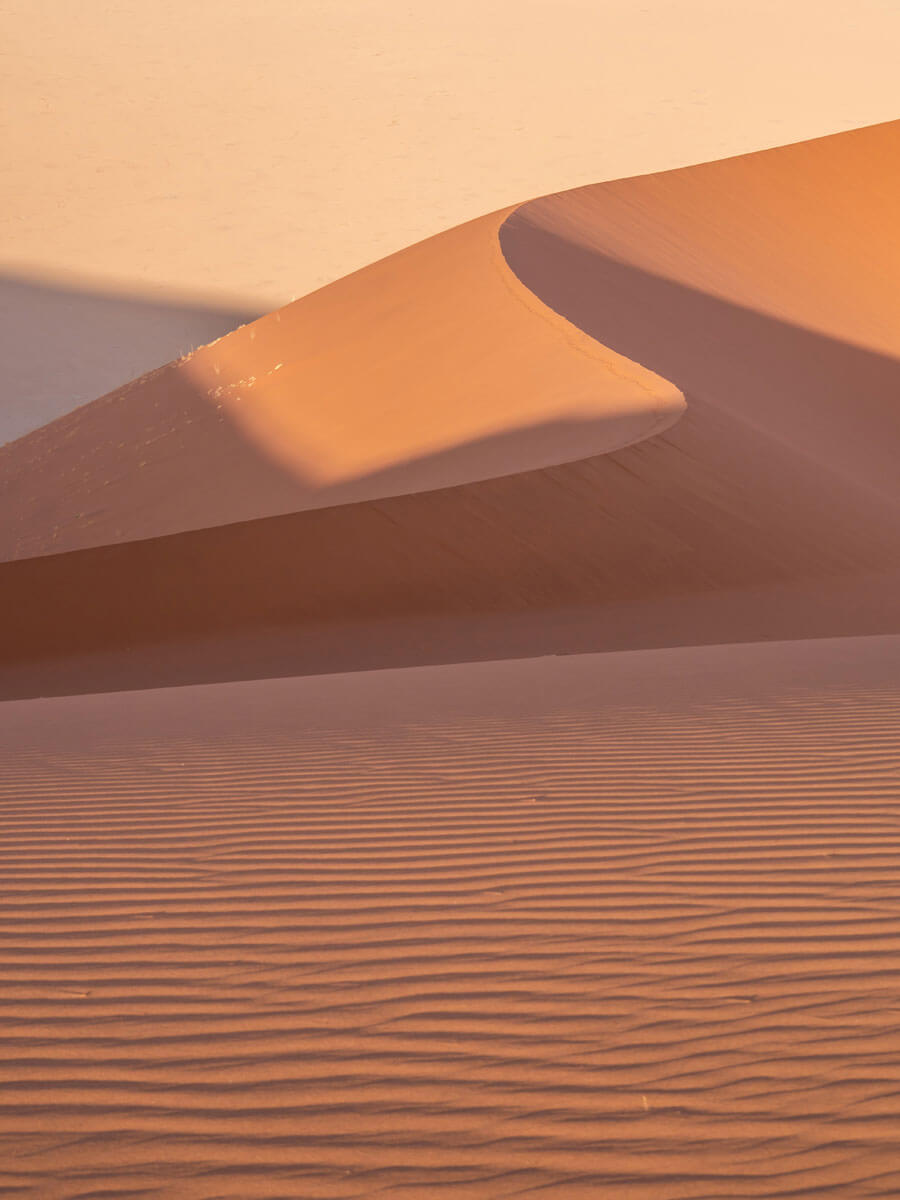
(252, 152)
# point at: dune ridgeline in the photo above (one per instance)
(665, 407)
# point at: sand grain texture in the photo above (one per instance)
(623, 924)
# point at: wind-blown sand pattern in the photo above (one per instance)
(620, 923)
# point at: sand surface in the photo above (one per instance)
(621, 925)
(208, 160)
(336, 862)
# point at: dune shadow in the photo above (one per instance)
(836, 402)
(62, 346)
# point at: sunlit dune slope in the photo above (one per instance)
(763, 288)
(433, 367)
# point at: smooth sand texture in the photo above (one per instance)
(620, 925)
(768, 507)
(433, 367)
(64, 343)
(206, 158)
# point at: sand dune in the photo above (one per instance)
(620, 925)
(415, 407)
(330, 400)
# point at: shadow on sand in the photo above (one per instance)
(64, 346)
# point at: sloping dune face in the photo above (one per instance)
(620, 926)
(434, 367)
(763, 288)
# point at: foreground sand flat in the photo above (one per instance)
(620, 924)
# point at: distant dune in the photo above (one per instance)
(494, 423)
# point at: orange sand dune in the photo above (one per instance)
(622, 925)
(433, 367)
(433, 388)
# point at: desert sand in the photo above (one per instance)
(622, 925)
(450, 733)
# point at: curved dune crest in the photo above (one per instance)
(768, 509)
(431, 368)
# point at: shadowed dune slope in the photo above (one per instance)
(622, 925)
(764, 287)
